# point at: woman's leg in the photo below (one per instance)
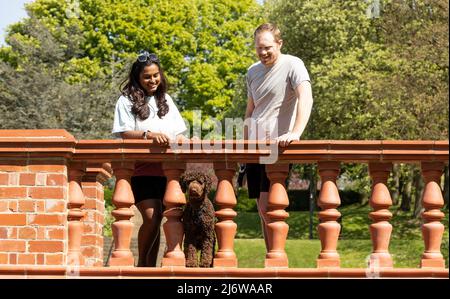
(148, 236)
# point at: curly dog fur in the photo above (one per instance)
(198, 219)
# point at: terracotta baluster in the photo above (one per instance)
(277, 227)
(380, 229)
(122, 228)
(432, 229)
(174, 200)
(225, 227)
(75, 214)
(329, 228)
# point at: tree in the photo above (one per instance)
(416, 33)
(373, 78)
(204, 45)
(35, 94)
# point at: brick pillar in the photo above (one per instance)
(75, 214)
(225, 227)
(277, 227)
(432, 228)
(122, 227)
(380, 229)
(174, 200)
(33, 212)
(94, 207)
(34, 196)
(329, 228)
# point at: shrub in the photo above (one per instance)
(109, 219)
(244, 204)
(299, 199)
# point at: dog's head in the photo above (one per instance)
(196, 184)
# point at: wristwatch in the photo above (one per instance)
(145, 135)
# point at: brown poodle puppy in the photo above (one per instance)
(198, 219)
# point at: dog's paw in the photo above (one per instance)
(191, 264)
(206, 264)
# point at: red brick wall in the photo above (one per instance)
(33, 211)
(92, 240)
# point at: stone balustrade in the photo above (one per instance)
(51, 208)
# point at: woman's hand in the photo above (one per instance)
(158, 138)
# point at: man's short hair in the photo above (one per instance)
(272, 28)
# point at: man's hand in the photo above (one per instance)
(286, 139)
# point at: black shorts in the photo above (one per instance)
(148, 187)
(257, 180)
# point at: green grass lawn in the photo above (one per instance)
(354, 247)
(354, 224)
(353, 253)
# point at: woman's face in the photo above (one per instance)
(150, 78)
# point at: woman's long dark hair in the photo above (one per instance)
(134, 91)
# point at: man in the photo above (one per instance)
(279, 100)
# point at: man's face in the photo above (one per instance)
(267, 49)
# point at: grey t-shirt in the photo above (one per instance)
(273, 92)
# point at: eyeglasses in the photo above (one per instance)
(144, 56)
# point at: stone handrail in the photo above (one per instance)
(22, 151)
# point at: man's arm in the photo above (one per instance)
(248, 114)
(304, 107)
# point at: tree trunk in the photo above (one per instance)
(395, 186)
(312, 198)
(418, 186)
(405, 205)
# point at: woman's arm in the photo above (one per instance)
(159, 138)
(132, 135)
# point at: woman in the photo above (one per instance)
(146, 111)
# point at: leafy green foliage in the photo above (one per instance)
(204, 45)
(416, 35)
(37, 93)
(244, 203)
(373, 78)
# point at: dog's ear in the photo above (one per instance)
(183, 182)
(208, 182)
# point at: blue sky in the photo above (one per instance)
(11, 11)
